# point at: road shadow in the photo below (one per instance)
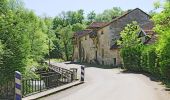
(94, 65)
(152, 78)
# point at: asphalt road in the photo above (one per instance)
(111, 84)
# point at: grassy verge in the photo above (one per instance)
(57, 60)
(167, 83)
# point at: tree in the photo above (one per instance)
(129, 36)
(91, 17)
(64, 25)
(23, 38)
(66, 41)
(131, 47)
(15, 43)
(1, 52)
(162, 28)
(108, 14)
(78, 27)
(68, 18)
(80, 16)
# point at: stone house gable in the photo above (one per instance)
(98, 44)
(117, 25)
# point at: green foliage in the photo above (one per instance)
(152, 62)
(91, 17)
(131, 47)
(131, 58)
(23, 39)
(64, 25)
(152, 13)
(162, 48)
(66, 41)
(130, 36)
(108, 14)
(57, 60)
(68, 18)
(78, 27)
(69, 22)
(1, 52)
(149, 60)
(144, 60)
(157, 4)
(154, 59)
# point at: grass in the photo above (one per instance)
(97, 65)
(57, 60)
(152, 77)
(167, 83)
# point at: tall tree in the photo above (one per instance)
(91, 17)
(66, 41)
(108, 14)
(130, 47)
(162, 22)
(23, 38)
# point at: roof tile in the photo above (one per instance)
(97, 25)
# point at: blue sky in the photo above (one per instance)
(54, 7)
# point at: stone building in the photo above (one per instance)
(98, 42)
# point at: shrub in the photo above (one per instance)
(131, 58)
(131, 47)
(144, 61)
(152, 62)
(164, 61)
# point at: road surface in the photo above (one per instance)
(112, 84)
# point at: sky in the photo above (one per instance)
(54, 7)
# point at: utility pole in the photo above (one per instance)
(49, 52)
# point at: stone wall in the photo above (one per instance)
(87, 49)
(106, 37)
(105, 54)
(118, 25)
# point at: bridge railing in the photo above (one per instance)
(7, 90)
(35, 85)
(46, 80)
(20, 87)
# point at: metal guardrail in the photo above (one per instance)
(47, 80)
(60, 70)
(35, 85)
(55, 77)
(7, 90)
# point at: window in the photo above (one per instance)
(86, 37)
(102, 62)
(102, 32)
(114, 61)
(102, 53)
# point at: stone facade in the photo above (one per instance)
(100, 47)
(84, 49)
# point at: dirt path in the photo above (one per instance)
(111, 84)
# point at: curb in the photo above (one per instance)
(52, 91)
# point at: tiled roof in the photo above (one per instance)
(153, 36)
(126, 13)
(90, 28)
(115, 46)
(82, 32)
(147, 26)
(97, 25)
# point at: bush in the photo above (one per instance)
(131, 58)
(144, 61)
(162, 27)
(152, 62)
(149, 61)
(164, 61)
(131, 47)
